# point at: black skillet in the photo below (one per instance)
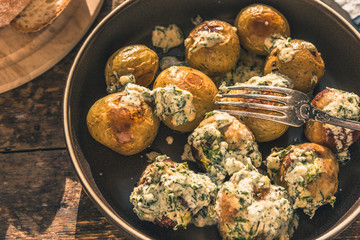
(108, 178)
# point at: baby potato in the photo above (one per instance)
(339, 104)
(263, 130)
(201, 87)
(300, 61)
(138, 60)
(308, 171)
(124, 127)
(213, 47)
(257, 22)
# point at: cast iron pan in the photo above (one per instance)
(109, 178)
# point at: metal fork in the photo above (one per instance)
(295, 107)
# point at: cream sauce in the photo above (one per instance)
(167, 37)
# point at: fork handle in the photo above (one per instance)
(324, 117)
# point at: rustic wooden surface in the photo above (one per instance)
(40, 197)
(26, 56)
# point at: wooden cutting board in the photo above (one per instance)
(24, 56)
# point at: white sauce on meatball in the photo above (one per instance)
(262, 209)
(342, 105)
(220, 159)
(304, 168)
(173, 191)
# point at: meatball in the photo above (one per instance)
(299, 60)
(339, 104)
(170, 195)
(263, 130)
(124, 121)
(185, 88)
(138, 60)
(222, 145)
(248, 206)
(308, 171)
(258, 22)
(213, 47)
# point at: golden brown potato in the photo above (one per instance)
(257, 22)
(138, 60)
(263, 130)
(300, 61)
(339, 104)
(198, 84)
(248, 205)
(124, 127)
(309, 172)
(213, 47)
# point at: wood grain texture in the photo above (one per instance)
(24, 56)
(40, 197)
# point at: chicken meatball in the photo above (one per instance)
(169, 194)
(222, 145)
(308, 171)
(250, 207)
(339, 104)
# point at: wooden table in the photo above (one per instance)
(40, 197)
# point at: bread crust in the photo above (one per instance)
(9, 9)
(34, 17)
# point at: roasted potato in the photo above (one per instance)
(263, 130)
(308, 171)
(138, 60)
(122, 125)
(248, 205)
(213, 47)
(339, 104)
(201, 87)
(300, 61)
(257, 22)
(222, 145)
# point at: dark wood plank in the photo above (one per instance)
(33, 196)
(31, 115)
(91, 224)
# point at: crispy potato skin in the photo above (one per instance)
(300, 69)
(317, 133)
(257, 22)
(324, 186)
(125, 129)
(198, 84)
(219, 58)
(138, 60)
(263, 130)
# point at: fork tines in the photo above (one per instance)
(263, 88)
(284, 99)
